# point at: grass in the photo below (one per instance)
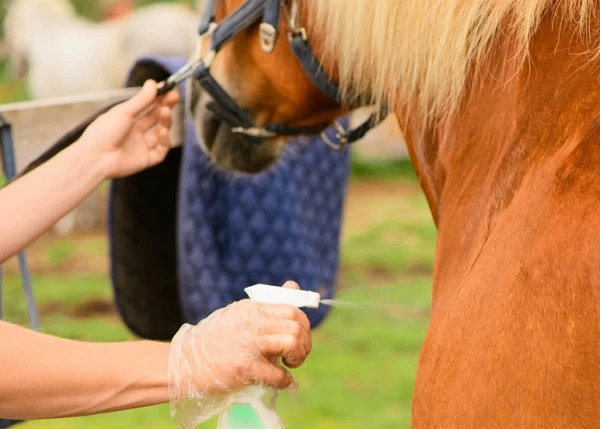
(362, 368)
(11, 90)
(386, 169)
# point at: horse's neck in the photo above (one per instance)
(522, 148)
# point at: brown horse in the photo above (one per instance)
(499, 101)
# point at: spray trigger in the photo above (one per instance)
(278, 295)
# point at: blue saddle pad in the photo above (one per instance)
(186, 239)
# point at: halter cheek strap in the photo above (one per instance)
(313, 69)
(243, 17)
(208, 17)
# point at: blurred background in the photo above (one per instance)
(362, 369)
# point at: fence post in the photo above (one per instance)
(10, 171)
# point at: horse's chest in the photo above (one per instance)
(514, 339)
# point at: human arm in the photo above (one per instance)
(44, 376)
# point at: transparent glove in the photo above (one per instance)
(212, 363)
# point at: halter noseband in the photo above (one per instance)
(227, 109)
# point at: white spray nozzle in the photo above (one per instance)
(279, 295)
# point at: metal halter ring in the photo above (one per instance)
(295, 27)
(341, 135)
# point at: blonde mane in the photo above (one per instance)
(422, 49)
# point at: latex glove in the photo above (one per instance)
(234, 348)
(133, 135)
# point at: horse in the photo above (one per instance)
(499, 104)
(66, 54)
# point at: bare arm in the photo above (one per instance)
(36, 201)
(45, 376)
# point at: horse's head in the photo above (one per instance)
(26, 18)
(266, 92)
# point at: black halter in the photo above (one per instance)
(226, 108)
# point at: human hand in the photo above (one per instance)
(236, 347)
(133, 135)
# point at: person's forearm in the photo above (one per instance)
(33, 203)
(44, 377)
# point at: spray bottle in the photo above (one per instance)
(254, 408)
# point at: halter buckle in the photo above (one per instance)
(268, 37)
(341, 136)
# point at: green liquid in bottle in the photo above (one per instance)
(243, 416)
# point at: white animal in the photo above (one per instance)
(66, 54)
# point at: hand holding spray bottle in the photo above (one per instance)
(256, 407)
(203, 358)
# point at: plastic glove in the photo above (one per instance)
(234, 348)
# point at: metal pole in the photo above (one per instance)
(5, 140)
(10, 171)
